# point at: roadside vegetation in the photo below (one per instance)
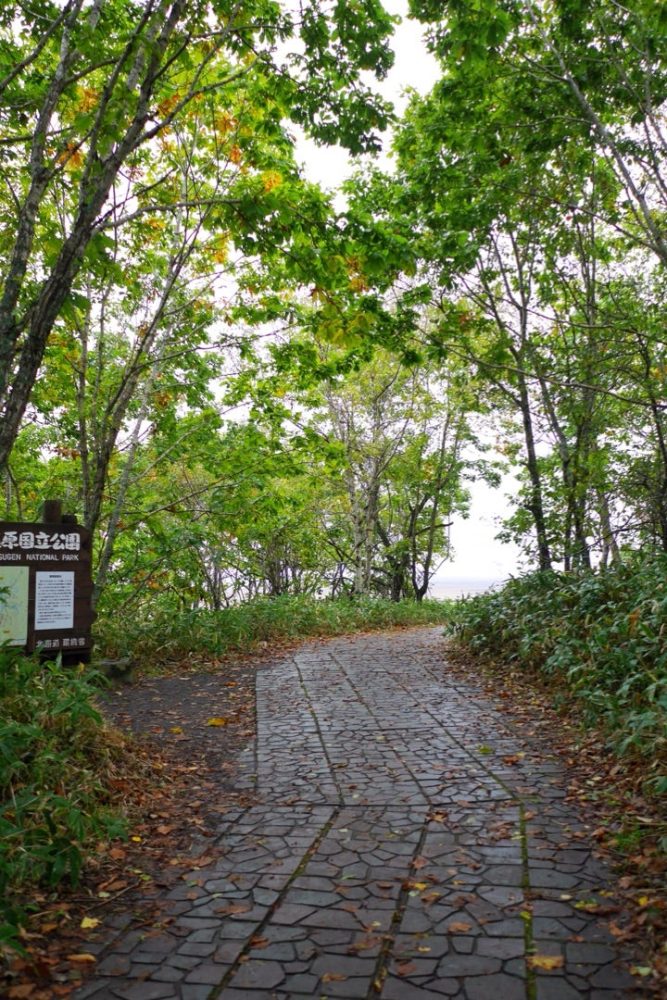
(58, 761)
(168, 635)
(595, 639)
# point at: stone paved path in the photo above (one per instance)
(400, 850)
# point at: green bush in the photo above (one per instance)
(602, 635)
(54, 757)
(167, 634)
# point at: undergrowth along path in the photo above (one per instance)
(405, 843)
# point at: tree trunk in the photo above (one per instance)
(536, 502)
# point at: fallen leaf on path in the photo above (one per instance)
(590, 906)
(333, 977)
(458, 927)
(233, 908)
(89, 922)
(217, 721)
(259, 942)
(405, 968)
(116, 885)
(364, 944)
(545, 962)
(83, 956)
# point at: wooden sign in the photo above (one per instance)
(46, 586)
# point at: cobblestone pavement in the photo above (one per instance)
(402, 848)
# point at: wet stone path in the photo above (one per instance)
(401, 848)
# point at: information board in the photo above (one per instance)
(46, 586)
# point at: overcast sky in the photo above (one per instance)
(478, 555)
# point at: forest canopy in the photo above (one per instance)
(245, 387)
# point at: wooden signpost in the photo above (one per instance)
(46, 585)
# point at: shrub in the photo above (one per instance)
(166, 634)
(601, 635)
(55, 757)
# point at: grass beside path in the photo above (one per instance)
(166, 634)
(597, 640)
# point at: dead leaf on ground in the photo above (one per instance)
(545, 962)
(259, 942)
(233, 908)
(405, 968)
(364, 944)
(89, 922)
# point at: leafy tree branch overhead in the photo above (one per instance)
(167, 261)
(87, 91)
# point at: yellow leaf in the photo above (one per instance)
(217, 721)
(137, 840)
(644, 900)
(546, 962)
(271, 179)
(175, 729)
(89, 922)
(81, 957)
(87, 98)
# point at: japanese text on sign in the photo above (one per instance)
(41, 540)
(73, 642)
(54, 601)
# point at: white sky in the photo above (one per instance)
(478, 555)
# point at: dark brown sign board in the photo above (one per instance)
(45, 576)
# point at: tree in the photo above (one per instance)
(88, 88)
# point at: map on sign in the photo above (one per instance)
(14, 605)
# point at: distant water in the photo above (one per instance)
(461, 587)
